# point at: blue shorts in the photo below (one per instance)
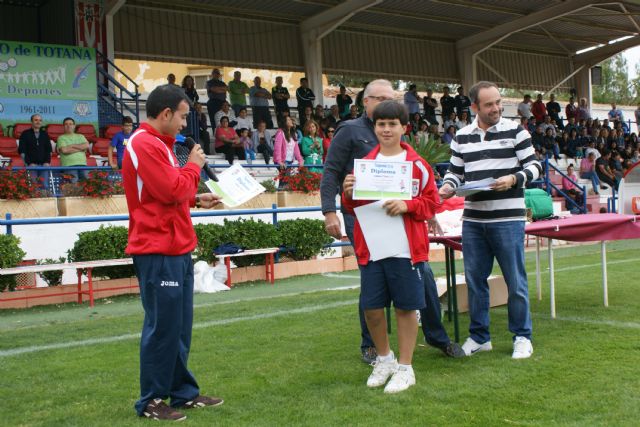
(392, 279)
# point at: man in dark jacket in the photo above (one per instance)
(354, 139)
(35, 148)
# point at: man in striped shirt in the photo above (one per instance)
(494, 220)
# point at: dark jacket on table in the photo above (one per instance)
(36, 151)
(353, 139)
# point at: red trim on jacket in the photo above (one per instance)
(420, 208)
(159, 193)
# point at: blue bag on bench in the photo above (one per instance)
(228, 249)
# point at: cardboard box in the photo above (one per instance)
(498, 292)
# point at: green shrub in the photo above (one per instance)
(303, 238)
(54, 277)
(269, 185)
(246, 233)
(10, 256)
(104, 243)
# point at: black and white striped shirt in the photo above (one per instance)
(504, 149)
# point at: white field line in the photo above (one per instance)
(200, 325)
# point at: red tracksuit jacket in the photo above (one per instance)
(159, 193)
(421, 207)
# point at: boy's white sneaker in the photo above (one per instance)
(522, 348)
(401, 380)
(470, 347)
(381, 372)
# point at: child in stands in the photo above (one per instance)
(247, 143)
(119, 142)
(398, 278)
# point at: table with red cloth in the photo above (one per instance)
(582, 228)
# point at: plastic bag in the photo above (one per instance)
(208, 279)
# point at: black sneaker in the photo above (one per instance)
(158, 410)
(453, 349)
(369, 355)
(603, 187)
(202, 401)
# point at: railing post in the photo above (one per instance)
(9, 227)
(546, 175)
(274, 215)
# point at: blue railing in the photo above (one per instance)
(124, 97)
(550, 185)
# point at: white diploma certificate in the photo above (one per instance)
(381, 231)
(380, 180)
(235, 186)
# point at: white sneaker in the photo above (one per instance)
(381, 372)
(522, 348)
(401, 380)
(470, 347)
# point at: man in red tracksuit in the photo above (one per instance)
(161, 238)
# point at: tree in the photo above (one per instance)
(615, 85)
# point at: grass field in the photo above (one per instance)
(288, 355)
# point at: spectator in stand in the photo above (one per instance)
(171, 79)
(247, 144)
(524, 108)
(311, 145)
(334, 115)
(434, 134)
(463, 103)
(615, 113)
(606, 125)
(326, 141)
(574, 145)
(262, 140)
(414, 123)
(527, 124)
(280, 96)
(571, 124)
(343, 101)
(537, 138)
(563, 142)
(226, 111)
(553, 110)
(464, 120)
(359, 99)
(635, 157)
(353, 113)
(588, 171)
(569, 187)
(449, 134)
(583, 112)
(217, 93)
(72, 147)
(285, 147)
(605, 174)
(551, 145)
(603, 138)
(242, 121)
(423, 131)
(228, 142)
(451, 121)
(259, 98)
(318, 113)
(430, 104)
(189, 86)
(538, 109)
(305, 98)
(306, 115)
(119, 142)
(447, 103)
(412, 100)
(547, 124)
(570, 111)
(35, 148)
(615, 164)
(205, 140)
(238, 91)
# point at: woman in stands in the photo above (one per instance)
(588, 171)
(285, 147)
(228, 142)
(573, 148)
(311, 145)
(190, 88)
(570, 188)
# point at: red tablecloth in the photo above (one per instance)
(588, 228)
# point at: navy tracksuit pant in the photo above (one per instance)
(166, 291)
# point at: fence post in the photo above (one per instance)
(546, 176)
(274, 220)
(9, 227)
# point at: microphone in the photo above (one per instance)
(190, 143)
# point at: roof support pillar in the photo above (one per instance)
(583, 85)
(467, 68)
(315, 28)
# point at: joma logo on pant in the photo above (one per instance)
(168, 283)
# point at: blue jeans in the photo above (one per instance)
(481, 244)
(595, 182)
(434, 332)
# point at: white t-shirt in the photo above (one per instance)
(291, 144)
(406, 252)
(524, 108)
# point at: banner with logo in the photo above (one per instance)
(54, 81)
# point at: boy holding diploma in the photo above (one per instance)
(399, 277)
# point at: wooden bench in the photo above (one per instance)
(78, 266)
(269, 262)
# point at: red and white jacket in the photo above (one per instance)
(159, 193)
(422, 207)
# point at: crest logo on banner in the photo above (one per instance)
(90, 24)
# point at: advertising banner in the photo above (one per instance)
(51, 80)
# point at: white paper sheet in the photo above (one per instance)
(381, 231)
(476, 187)
(235, 186)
